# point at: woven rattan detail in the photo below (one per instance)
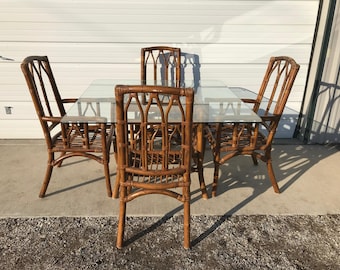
(255, 139)
(69, 139)
(154, 141)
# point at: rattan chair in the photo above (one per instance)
(68, 139)
(163, 63)
(150, 160)
(229, 140)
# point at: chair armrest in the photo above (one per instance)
(85, 119)
(270, 122)
(271, 118)
(53, 119)
(249, 100)
(69, 100)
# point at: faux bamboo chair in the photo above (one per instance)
(71, 139)
(150, 164)
(229, 140)
(161, 65)
(163, 62)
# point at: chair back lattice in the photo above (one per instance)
(43, 89)
(158, 134)
(255, 139)
(69, 139)
(161, 63)
(276, 85)
(154, 142)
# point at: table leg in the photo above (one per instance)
(115, 193)
(199, 158)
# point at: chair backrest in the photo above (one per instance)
(163, 63)
(44, 91)
(154, 139)
(276, 86)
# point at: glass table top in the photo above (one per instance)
(213, 102)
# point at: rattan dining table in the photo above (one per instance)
(214, 102)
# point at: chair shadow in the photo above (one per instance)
(190, 68)
(73, 161)
(323, 127)
(161, 221)
(242, 173)
(89, 182)
(286, 166)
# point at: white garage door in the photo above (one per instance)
(85, 40)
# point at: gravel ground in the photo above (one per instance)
(236, 242)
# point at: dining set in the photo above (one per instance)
(157, 127)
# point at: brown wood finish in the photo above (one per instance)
(69, 139)
(229, 140)
(153, 159)
(164, 62)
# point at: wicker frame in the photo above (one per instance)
(69, 139)
(152, 161)
(165, 63)
(229, 140)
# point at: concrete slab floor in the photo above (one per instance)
(308, 176)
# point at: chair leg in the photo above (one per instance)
(115, 193)
(272, 176)
(44, 186)
(217, 157)
(253, 156)
(215, 182)
(107, 178)
(186, 222)
(60, 163)
(121, 223)
(198, 159)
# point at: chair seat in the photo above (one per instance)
(245, 138)
(78, 141)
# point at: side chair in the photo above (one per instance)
(161, 63)
(233, 139)
(68, 139)
(151, 161)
